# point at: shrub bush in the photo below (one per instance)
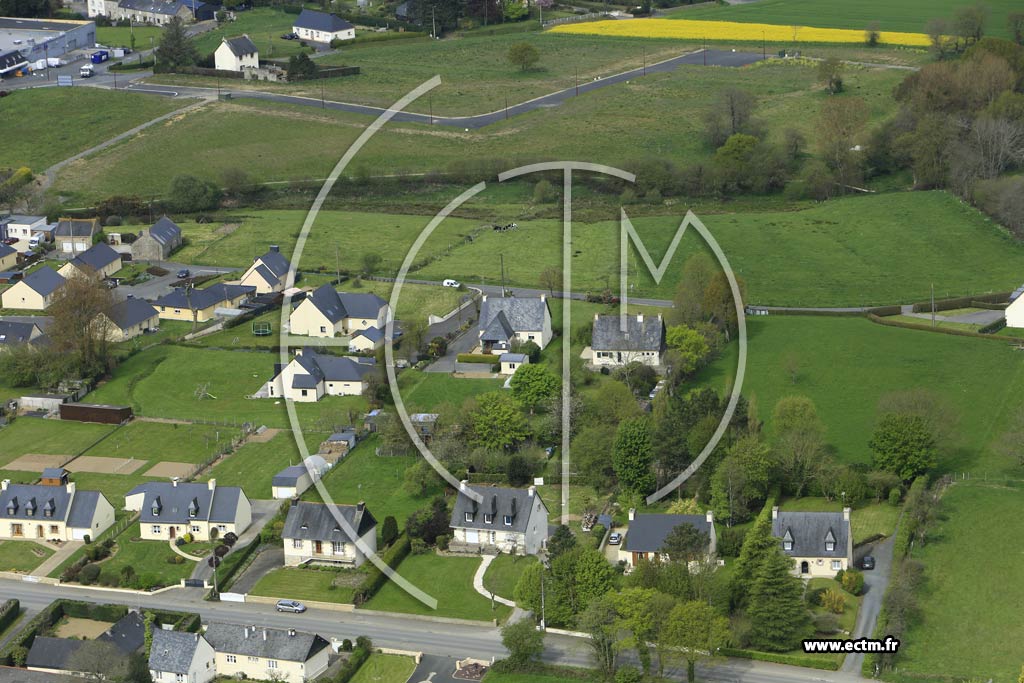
(833, 601)
(89, 574)
(346, 645)
(375, 578)
(809, 661)
(894, 497)
(730, 541)
(8, 613)
(628, 674)
(442, 542)
(853, 582)
(826, 623)
(813, 596)
(475, 358)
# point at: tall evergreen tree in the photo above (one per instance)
(778, 617)
(756, 546)
(176, 47)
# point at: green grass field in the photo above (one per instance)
(254, 465)
(380, 668)
(427, 391)
(158, 441)
(909, 15)
(296, 583)
(503, 574)
(868, 519)
(121, 36)
(47, 437)
(455, 595)
(147, 558)
(377, 480)
(86, 117)
(939, 323)
(162, 382)
(263, 25)
(969, 625)
(846, 364)
(22, 556)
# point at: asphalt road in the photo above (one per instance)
(164, 284)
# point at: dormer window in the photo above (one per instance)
(830, 541)
(488, 519)
(829, 546)
(30, 507)
(787, 541)
(155, 509)
(788, 545)
(508, 520)
(469, 516)
(12, 506)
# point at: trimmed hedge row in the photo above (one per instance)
(809, 661)
(375, 578)
(225, 578)
(901, 544)
(993, 326)
(814, 313)
(989, 306)
(488, 358)
(351, 667)
(960, 302)
(940, 330)
(9, 613)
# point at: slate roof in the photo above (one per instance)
(97, 256)
(74, 227)
(809, 530)
(9, 61)
(128, 634)
(361, 305)
(521, 313)
(289, 476)
(321, 21)
(7, 250)
(53, 653)
(130, 312)
(44, 281)
(499, 329)
(54, 472)
(173, 502)
(22, 219)
(165, 231)
(647, 533)
(347, 437)
(498, 501)
(274, 259)
(326, 300)
(241, 46)
(83, 509)
(19, 499)
(513, 358)
(203, 298)
(643, 333)
(371, 333)
(270, 643)
(316, 522)
(16, 333)
(153, 6)
(172, 651)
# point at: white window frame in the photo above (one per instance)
(297, 543)
(507, 519)
(271, 663)
(837, 565)
(829, 546)
(155, 529)
(231, 659)
(787, 545)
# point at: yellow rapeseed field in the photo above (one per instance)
(686, 29)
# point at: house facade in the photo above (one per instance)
(183, 304)
(99, 261)
(158, 242)
(74, 235)
(24, 227)
(35, 292)
(508, 520)
(329, 313)
(645, 537)
(267, 273)
(1015, 311)
(8, 258)
(311, 376)
(181, 657)
(321, 27)
(820, 543)
(506, 321)
(128, 319)
(235, 54)
(168, 510)
(266, 654)
(313, 535)
(510, 362)
(642, 341)
(52, 512)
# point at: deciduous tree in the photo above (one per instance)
(632, 455)
(523, 641)
(523, 55)
(695, 633)
(902, 444)
(533, 384)
(497, 422)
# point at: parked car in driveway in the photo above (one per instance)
(615, 538)
(868, 562)
(290, 606)
(11, 240)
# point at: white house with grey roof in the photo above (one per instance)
(506, 321)
(99, 261)
(820, 543)
(235, 54)
(181, 657)
(508, 520)
(35, 292)
(646, 534)
(326, 312)
(310, 376)
(266, 654)
(23, 227)
(313, 534)
(158, 241)
(321, 27)
(268, 272)
(168, 510)
(642, 340)
(128, 319)
(52, 512)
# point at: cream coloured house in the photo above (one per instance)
(168, 510)
(267, 654)
(128, 319)
(820, 543)
(235, 54)
(98, 261)
(8, 258)
(310, 376)
(646, 534)
(328, 313)
(181, 657)
(14, 333)
(507, 321)
(513, 521)
(183, 303)
(35, 292)
(510, 362)
(1015, 311)
(321, 27)
(313, 535)
(267, 273)
(56, 511)
(643, 340)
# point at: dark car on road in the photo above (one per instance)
(867, 563)
(183, 273)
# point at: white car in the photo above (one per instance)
(451, 283)
(615, 539)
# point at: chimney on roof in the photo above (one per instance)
(543, 298)
(273, 247)
(846, 514)
(71, 488)
(212, 484)
(360, 506)
(710, 516)
(4, 484)
(197, 637)
(291, 632)
(531, 491)
(775, 512)
(295, 502)
(245, 632)
(264, 634)
(632, 514)
(639, 317)
(174, 481)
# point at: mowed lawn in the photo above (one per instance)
(907, 15)
(148, 559)
(299, 583)
(121, 36)
(22, 556)
(77, 119)
(159, 441)
(47, 437)
(163, 381)
(454, 594)
(263, 25)
(846, 364)
(381, 668)
(503, 574)
(868, 519)
(970, 625)
(254, 465)
(365, 476)
(428, 391)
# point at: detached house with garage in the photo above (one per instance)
(99, 261)
(645, 537)
(310, 376)
(128, 319)
(267, 273)
(642, 341)
(75, 235)
(172, 509)
(52, 511)
(513, 521)
(505, 321)
(235, 54)
(313, 535)
(158, 242)
(181, 657)
(267, 654)
(820, 543)
(35, 292)
(183, 303)
(328, 313)
(321, 27)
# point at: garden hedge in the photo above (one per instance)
(809, 661)
(375, 578)
(476, 358)
(351, 667)
(9, 613)
(941, 330)
(960, 302)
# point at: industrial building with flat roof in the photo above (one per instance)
(41, 38)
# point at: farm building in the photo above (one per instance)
(157, 242)
(321, 27)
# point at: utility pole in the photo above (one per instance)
(506, 107)
(764, 48)
(577, 81)
(645, 60)
(46, 54)
(433, 24)
(933, 304)
(541, 8)
(337, 263)
(542, 626)
(501, 258)
(323, 104)
(430, 100)
(705, 52)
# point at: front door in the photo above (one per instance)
(318, 547)
(174, 531)
(39, 531)
(805, 568)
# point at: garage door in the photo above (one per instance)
(472, 536)
(79, 534)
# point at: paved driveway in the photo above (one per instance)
(433, 669)
(876, 582)
(265, 562)
(159, 286)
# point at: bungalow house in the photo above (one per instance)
(266, 654)
(172, 509)
(1015, 311)
(157, 242)
(98, 261)
(8, 258)
(75, 235)
(321, 27)
(181, 657)
(184, 303)
(327, 313)
(52, 512)
(510, 362)
(267, 273)
(513, 521)
(235, 54)
(311, 376)
(642, 341)
(35, 292)
(67, 655)
(12, 333)
(820, 543)
(366, 341)
(23, 228)
(292, 482)
(645, 537)
(128, 319)
(505, 321)
(313, 534)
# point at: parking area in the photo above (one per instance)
(433, 669)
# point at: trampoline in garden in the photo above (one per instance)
(261, 328)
